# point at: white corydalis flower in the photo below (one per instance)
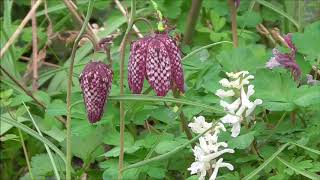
(200, 125)
(208, 149)
(221, 93)
(237, 75)
(242, 106)
(218, 165)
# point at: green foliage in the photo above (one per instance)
(280, 141)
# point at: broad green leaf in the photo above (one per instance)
(249, 19)
(243, 59)
(166, 146)
(308, 41)
(56, 108)
(242, 141)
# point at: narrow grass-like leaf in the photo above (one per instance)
(168, 154)
(204, 47)
(298, 170)
(306, 148)
(57, 7)
(266, 162)
(279, 11)
(55, 170)
(33, 133)
(130, 97)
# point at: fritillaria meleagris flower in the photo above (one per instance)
(286, 60)
(95, 82)
(158, 58)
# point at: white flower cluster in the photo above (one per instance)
(241, 106)
(209, 149)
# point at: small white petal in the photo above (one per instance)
(235, 131)
(221, 93)
(229, 118)
(224, 82)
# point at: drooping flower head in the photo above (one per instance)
(95, 81)
(158, 58)
(286, 60)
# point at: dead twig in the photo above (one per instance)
(43, 62)
(34, 49)
(123, 11)
(192, 20)
(19, 29)
(233, 12)
(73, 9)
(29, 93)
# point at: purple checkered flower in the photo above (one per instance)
(95, 82)
(158, 58)
(286, 60)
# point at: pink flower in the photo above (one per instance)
(95, 82)
(158, 58)
(286, 60)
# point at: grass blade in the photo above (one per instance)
(266, 162)
(204, 47)
(129, 97)
(298, 170)
(33, 133)
(55, 170)
(279, 11)
(306, 148)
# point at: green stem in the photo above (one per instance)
(182, 117)
(122, 58)
(203, 47)
(25, 154)
(69, 89)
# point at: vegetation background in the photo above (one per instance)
(283, 143)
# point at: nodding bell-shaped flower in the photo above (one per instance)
(158, 58)
(95, 82)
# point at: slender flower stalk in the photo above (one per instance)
(232, 6)
(122, 58)
(69, 89)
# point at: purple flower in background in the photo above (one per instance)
(237, 3)
(95, 82)
(286, 60)
(158, 58)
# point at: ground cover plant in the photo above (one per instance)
(160, 89)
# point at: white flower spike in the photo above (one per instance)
(242, 106)
(208, 149)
